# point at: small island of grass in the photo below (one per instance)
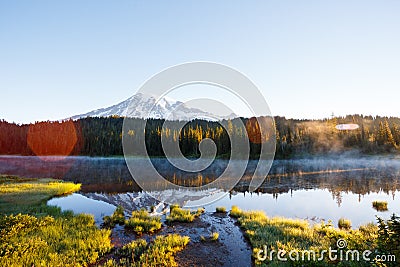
(177, 214)
(141, 222)
(380, 205)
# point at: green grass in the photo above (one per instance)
(160, 252)
(132, 250)
(118, 217)
(178, 214)
(344, 224)
(174, 206)
(236, 212)
(47, 241)
(141, 222)
(21, 195)
(380, 205)
(46, 236)
(293, 234)
(220, 210)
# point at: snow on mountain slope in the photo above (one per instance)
(145, 106)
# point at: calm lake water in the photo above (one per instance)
(313, 189)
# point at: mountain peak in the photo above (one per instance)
(145, 106)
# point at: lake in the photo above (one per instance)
(313, 189)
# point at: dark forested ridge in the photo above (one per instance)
(103, 136)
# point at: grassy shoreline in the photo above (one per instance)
(27, 195)
(34, 234)
(284, 235)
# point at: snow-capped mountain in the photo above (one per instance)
(146, 106)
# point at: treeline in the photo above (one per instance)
(103, 136)
(375, 135)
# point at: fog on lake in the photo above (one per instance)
(313, 189)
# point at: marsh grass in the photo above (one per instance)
(46, 236)
(21, 195)
(173, 206)
(220, 210)
(132, 250)
(293, 234)
(380, 205)
(48, 241)
(142, 222)
(344, 224)
(14, 179)
(160, 252)
(118, 217)
(213, 237)
(178, 214)
(236, 212)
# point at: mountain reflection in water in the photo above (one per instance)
(111, 175)
(314, 189)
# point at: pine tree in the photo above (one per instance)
(388, 134)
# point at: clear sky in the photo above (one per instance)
(309, 58)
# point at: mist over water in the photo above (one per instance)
(325, 172)
(315, 188)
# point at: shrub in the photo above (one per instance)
(344, 224)
(389, 238)
(142, 222)
(380, 205)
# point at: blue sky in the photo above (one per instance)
(309, 58)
